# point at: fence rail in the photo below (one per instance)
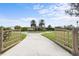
(64, 39)
(8, 38)
(69, 39)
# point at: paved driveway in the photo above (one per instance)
(36, 45)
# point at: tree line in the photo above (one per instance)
(33, 26)
(41, 26)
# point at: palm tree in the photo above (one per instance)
(33, 24)
(41, 24)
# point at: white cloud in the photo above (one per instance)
(55, 14)
(62, 7)
(38, 6)
(43, 11)
(61, 21)
(28, 19)
(53, 10)
(13, 22)
(22, 22)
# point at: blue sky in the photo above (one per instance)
(12, 14)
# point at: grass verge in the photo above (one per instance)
(49, 35)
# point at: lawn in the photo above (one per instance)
(50, 35)
(65, 38)
(14, 38)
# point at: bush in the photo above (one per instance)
(7, 28)
(17, 27)
(50, 29)
(24, 29)
(41, 29)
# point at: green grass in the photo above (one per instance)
(13, 38)
(50, 35)
(62, 37)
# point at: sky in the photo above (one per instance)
(12, 14)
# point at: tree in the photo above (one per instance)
(7, 28)
(41, 25)
(17, 27)
(49, 28)
(74, 10)
(33, 24)
(1, 27)
(69, 27)
(24, 29)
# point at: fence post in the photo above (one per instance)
(75, 41)
(65, 37)
(56, 33)
(1, 40)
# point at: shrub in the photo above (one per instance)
(24, 29)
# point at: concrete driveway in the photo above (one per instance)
(36, 45)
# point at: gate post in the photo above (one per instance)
(75, 41)
(1, 40)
